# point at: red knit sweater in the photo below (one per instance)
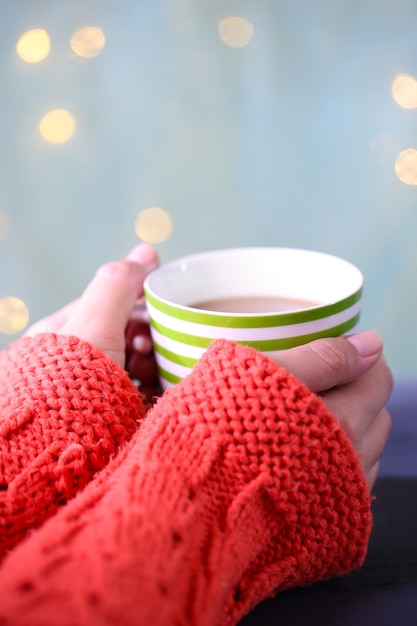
(237, 484)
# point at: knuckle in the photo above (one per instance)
(115, 270)
(386, 424)
(354, 431)
(372, 475)
(383, 381)
(375, 439)
(381, 435)
(333, 360)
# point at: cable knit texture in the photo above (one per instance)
(65, 409)
(239, 483)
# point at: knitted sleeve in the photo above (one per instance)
(65, 409)
(238, 484)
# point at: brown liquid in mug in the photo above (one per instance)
(254, 304)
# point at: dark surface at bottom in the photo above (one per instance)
(383, 592)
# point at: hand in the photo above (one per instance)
(351, 376)
(106, 316)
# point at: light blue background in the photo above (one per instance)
(289, 141)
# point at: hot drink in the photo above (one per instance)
(254, 304)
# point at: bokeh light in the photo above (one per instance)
(57, 126)
(14, 315)
(153, 225)
(236, 32)
(406, 166)
(5, 225)
(34, 45)
(404, 91)
(88, 42)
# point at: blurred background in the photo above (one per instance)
(208, 124)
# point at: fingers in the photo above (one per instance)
(374, 441)
(360, 408)
(123, 282)
(138, 337)
(354, 381)
(142, 368)
(358, 404)
(327, 363)
(140, 360)
(374, 445)
(144, 254)
(101, 314)
(105, 306)
(372, 475)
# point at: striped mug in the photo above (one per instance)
(268, 298)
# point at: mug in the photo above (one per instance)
(269, 298)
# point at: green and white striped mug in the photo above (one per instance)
(268, 298)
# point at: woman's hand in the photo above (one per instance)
(351, 376)
(350, 373)
(108, 315)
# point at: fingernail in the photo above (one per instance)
(366, 343)
(144, 254)
(140, 313)
(142, 344)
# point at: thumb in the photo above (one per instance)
(327, 363)
(103, 310)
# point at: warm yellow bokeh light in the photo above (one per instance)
(34, 45)
(404, 91)
(14, 315)
(235, 32)
(153, 225)
(4, 224)
(406, 166)
(57, 126)
(88, 42)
